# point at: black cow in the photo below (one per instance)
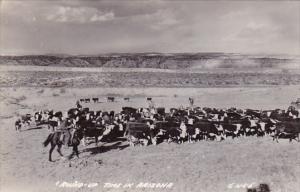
(128, 110)
(96, 100)
(58, 114)
(149, 98)
(91, 129)
(232, 130)
(73, 112)
(110, 99)
(290, 129)
(52, 125)
(254, 113)
(26, 119)
(166, 130)
(18, 125)
(161, 111)
(87, 100)
(126, 99)
(138, 133)
(85, 110)
(208, 130)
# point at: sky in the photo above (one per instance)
(88, 27)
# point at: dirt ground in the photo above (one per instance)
(231, 165)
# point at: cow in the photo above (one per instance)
(18, 125)
(81, 100)
(249, 127)
(73, 112)
(253, 113)
(52, 124)
(161, 111)
(85, 110)
(166, 131)
(38, 116)
(149, 98)
(227, 129)
(58, 114)
(270, 126)
(194, 134)
(290, 129)
(26, 119)
(87, 100)
(129, 110)
(126, 99)
(137, 133)
(171, 131)
(209, 130)
(110, 99)
(91, 128)
(96, 100)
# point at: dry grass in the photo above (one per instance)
(202, 166)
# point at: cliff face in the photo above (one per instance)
(160, 61)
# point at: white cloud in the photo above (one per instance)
(78, 14)
(159, 20)
(165, 17)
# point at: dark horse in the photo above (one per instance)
(54, 140)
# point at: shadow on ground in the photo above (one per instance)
(105, 148)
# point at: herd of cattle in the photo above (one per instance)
(109, 99)
(144, 126)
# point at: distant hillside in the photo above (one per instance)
(160, 61)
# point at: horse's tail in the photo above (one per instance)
(48, 140)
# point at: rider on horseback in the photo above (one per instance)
(65, 128)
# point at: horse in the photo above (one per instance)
(54, 140)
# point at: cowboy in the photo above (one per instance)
(78, 105)
(65, 128)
